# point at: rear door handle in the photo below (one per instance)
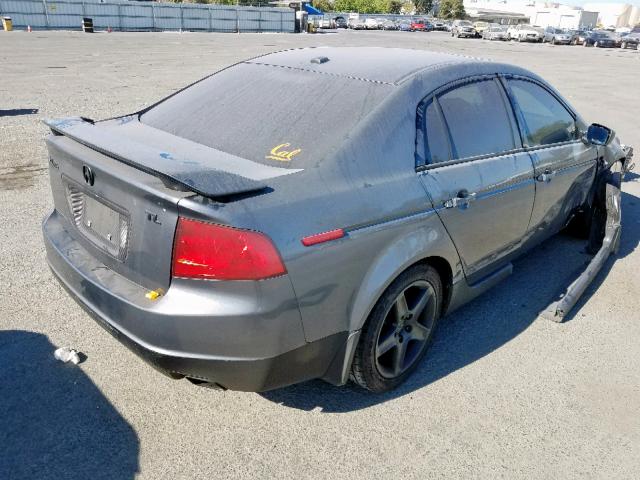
(546, 176)
(463, 199)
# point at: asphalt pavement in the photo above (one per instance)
(503, 392)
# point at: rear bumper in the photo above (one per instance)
(240, 335)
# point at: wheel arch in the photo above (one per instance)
(430, 246)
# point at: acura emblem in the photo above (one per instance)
(87, 173)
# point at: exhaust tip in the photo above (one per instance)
(206, 384)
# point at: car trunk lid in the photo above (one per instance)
(118, 184)
(191, 165)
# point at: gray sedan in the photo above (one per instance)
(246, 234)
(495, 32)
(556, 36)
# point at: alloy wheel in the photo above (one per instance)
(406, 329)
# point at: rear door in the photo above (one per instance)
(564, 165)
(473, 168)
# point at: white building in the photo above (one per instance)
(616, 14)
(564, 16)
(543, 14)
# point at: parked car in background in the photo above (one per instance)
(462, 28)
(341, 22)
(357, 24)
(579, 36)
(418, 25)
(556, 36)
(327, 23)
(404, 26)
(526, 33)
(439, 25)
(371, 24)
(600, 39)
(389, 25)
(255, 261)
(480, 27)
(511, 31)
(495, 32)
(630, 40)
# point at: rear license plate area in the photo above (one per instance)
(103, 223)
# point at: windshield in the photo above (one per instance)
(272, 115)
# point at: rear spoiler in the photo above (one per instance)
(198, 168)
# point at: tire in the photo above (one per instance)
(623, 45)
(405, 339)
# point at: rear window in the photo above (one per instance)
(272, 115)
(477, 119)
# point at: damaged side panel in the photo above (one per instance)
(558, 310)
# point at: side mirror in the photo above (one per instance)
(599, 134)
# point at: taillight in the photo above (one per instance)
(207, 250)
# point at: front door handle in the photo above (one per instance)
(546, 176)
(463, 199)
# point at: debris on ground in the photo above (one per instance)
(66, 354)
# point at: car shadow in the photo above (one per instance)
(484, 324)
(16, 112)
(55, 423)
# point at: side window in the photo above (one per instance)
(436, 136)
(477, 118)
(546, 120)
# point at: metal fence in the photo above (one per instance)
(151, 16)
